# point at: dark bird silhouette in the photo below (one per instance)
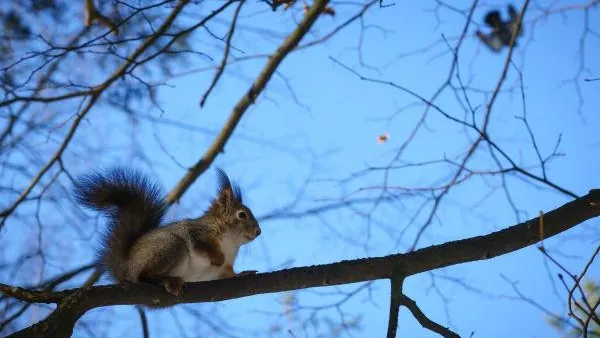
(502, 31)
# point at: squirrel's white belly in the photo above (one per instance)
(196, 267)
(200, 269)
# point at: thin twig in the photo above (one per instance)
(245, 101)
(424, 320)
(221, 67)
(94, 96)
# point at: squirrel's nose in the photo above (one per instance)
(257, 232)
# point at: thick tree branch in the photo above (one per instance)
(244, 103)
(76, 302)
(395, 301)
(33, 296)
(92, 14)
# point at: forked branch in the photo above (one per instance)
(72, 304)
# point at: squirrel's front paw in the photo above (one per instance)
(174, 285)
(217, 258)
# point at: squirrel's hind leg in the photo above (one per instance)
(173, 285)
(167, 252)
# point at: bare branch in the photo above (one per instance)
(94, 96)
(240, 108)
(424, 320)
(74, 303)
(93, 14)
(221, 67)
(143, 321)
(395, 301)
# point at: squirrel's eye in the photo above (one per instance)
(241, 214)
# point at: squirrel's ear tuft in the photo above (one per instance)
(228, 193)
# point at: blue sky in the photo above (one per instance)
(336, 137)
(282, 148)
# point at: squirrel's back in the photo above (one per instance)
(133, 204)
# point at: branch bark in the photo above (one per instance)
(94, 96)
(244, 103)
(395, 300)
(72, 304)
(92, 14)
(424, 320)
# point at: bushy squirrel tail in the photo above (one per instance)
(133, 204)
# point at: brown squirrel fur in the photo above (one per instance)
(137, 248)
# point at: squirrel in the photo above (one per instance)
(138, 248)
